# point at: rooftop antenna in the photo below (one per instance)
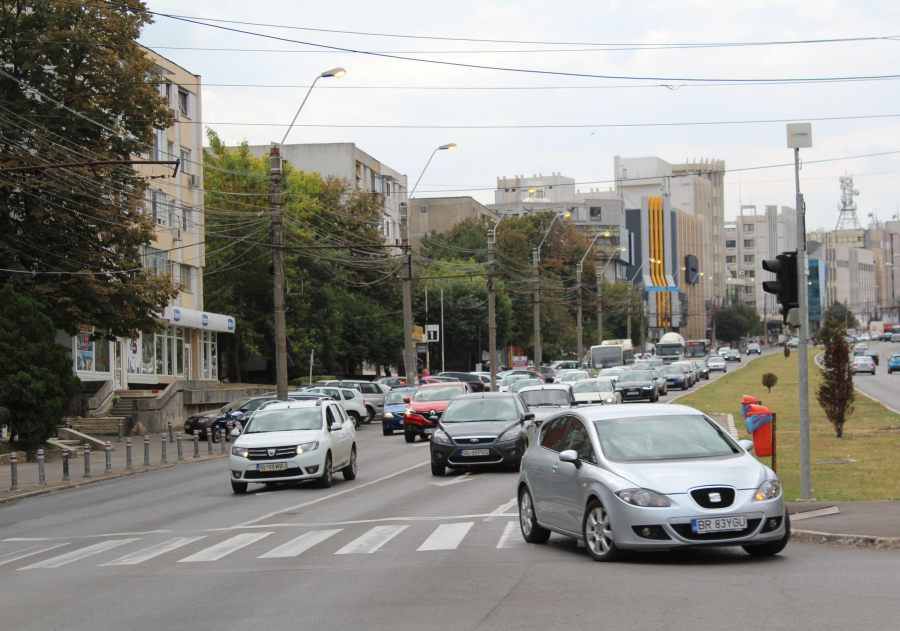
(847, 220)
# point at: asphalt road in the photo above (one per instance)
(394, 549)
(882, 387)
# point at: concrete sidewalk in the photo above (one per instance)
(28, 472)
(862, 524)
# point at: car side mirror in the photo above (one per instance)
(235, 433)
(746, 445)
(570, 455)
(244, 410)
(406, 399)
(336, 426)
(528, 416)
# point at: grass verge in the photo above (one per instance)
(876, 473)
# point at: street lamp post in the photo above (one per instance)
(578, 273)
(492, 298)
(600, 294)
(536, 261)
(275, 177)
(409, 356)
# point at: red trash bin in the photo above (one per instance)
(762, 434)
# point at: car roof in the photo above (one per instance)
(403, 388)
(290, 405)
(485, 395)
(610, 412)
(547, 386)
(442, 384)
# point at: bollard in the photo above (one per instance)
(14, 466)
(128, 464)
(146, 451)
(196, 443)
(223, 441)
(171, 435)
(119, 439)
(228, 426)
(42, 476)
(65, 459)
(209, 441)
(180, 447)
(87, 461)
(108, 448)
(164, 437)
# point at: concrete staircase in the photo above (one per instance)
(122, 409)
(107, 426)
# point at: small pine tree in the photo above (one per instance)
(36, 378)
(769, 380)
(835, 392)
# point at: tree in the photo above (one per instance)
(72, 238)
(36, 379)
(842, 314)
(769, 380)
(835, 391)
(737, 322)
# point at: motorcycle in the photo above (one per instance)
(220, 427)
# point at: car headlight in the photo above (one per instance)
(769, 490)
(647, 387)
(241, 452)
(305, 447)
(387, 416)
(511, 434)
(609, 400)
(643, 497)
(409, 411)
(440, 437)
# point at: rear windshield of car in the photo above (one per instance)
(295, 419)
(395, 398)
(638, 375)
(473, 410)
(574, 375)
(524, 383)
(601, 385)
(671, 370)
(437, 394)
(537, 398)
(665, 438)
(508, 381)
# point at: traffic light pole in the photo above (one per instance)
(802, 351)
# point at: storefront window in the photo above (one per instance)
(213, 358)
(84, 351)
(178, 341)
(160, 354)
(102, 348)
(208, 356)
(148, 354)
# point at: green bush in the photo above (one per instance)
(769, 380)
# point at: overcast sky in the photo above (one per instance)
(259, 114)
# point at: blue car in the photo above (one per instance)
(394, 405)
(894, 363)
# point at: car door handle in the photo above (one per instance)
(554, 468)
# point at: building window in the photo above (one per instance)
(423, 209)
(183, 103)
(156, 260)
(731, 259)
(733, 274)
(595, 212)
(208, 356)
(749, 258)
(148, 354)
(749, 243)
(186, 278)
(750, 274)
(750, 289)
(186, 161)
(730, 243)
(387, 188)
(749, 227)
(102, 359)
(84, 351)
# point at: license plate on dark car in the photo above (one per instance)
(474, 452)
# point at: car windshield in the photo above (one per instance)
(524, 383)
(574, 375)
(289, 420)
(437, 394)
(234, 405)
(665, 438)
(508, 381)
(672, 370)
(637, 375)
(592, 386)
(537, 398)
(396, 398)
(611, 372)
(474, 410)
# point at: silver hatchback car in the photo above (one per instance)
(653, 477)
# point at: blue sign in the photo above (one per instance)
(231, 324)
(673, 290)
(177, 317)
(204, 320)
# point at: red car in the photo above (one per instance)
(426, 407)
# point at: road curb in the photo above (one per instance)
(851, 541)
(83, 482)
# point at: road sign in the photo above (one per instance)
(433, 332)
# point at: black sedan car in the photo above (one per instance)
(636, 385)
(474, 381)
(675, 377)
(481, 429)
(206, 421)
(732, 355)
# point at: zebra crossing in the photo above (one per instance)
(263, 545)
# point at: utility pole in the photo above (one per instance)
(443, 367)
(492, 315)
(536, 263)
(281, 377)
(641, 305)
(427, 343)
(578, 272)
(628, 330)
(409, 358)
(599, 308)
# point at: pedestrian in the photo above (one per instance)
(425, 373)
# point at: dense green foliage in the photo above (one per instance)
(36, 379)
(78, 231)
(736, 322)
(835, 391)
(769, 381)
(842, 314)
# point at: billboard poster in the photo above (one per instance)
(134, 357)
(84, 351)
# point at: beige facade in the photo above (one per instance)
(439, 214)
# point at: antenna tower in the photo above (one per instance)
(847, 220)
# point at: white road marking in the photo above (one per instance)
(511, 537)
(77, 555)
(372, 540)
(21, 554)
(327, 497)
(301, 544)
(501, 510)
(30, 539)
(146, 554)
(456, 480)
(447, 536)
(216, 552)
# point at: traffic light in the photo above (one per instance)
(785, 286)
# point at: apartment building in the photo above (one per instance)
(347, 161)
(188, 347)
(852, 275)
(439, 214)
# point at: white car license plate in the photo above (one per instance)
(719, 524)
(474, 452)
(278, 466)
(429, 430)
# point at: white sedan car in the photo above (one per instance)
(352, 401)
(292, 441)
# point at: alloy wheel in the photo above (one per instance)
(598, 532)
(526, 513)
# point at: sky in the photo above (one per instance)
(400, 110)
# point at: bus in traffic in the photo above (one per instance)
(697, 349)
(612, 353)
